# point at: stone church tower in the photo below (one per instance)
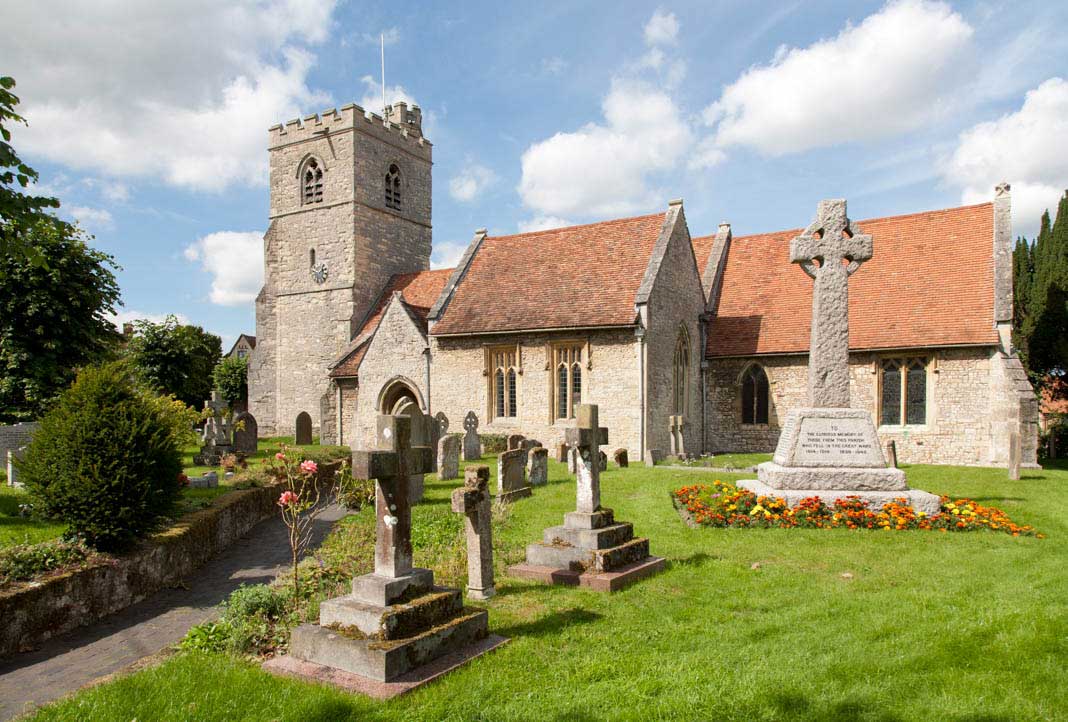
(350, 206)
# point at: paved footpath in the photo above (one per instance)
(68, 662)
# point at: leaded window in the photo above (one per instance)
(903, 391)
(393, 188)
(313, 182)
(680, 376)
(504, 381)
(567, 361)
(755, 396)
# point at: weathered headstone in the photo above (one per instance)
(246, 433)
(473, 501)
(678, 440)
(590, 549)
(304, 429)
(620, 457)
(514, 441)
(472, 444)
(891, 454)
(449, 457)
(511, 476)
(1014, 455)
(561, 452)
(395, 619)
(208, 480)
(653, 457)
(424, 432)
(216, 441)
(538, 466)
(602, 460)
(828, 449)
(443, 422)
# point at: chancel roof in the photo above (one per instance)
(930, 283)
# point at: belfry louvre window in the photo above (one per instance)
(903, 391)
(393, 188)
(755, 396)
(503, 379)
(313, 182)
(567, 380)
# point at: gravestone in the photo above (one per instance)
(676, 426)
(538, 466)
(891, 454)
(449, 457)
(620, 457)
(1014, 455)
(443, 422)
(473, 501)
(653, 457)
(526, 445)
(472, 444)
(395, 619)
(561, 452)
(246, 433)
(14, 440)
(572, 460)
(514, 441)
(424, 432)
(602, 460)
(511, 476)
(14, 455)
(304, 429)
(216, 442)
(208, 480)
(591, 549)
(828, 449)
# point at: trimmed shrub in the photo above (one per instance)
(493, 443)
(105, 460)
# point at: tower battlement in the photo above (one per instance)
(400, 123)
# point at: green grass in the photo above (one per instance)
(930, 626)
(723, 461)
(15, 529)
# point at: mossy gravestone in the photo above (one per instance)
(246, 433)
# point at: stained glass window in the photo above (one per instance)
(567, 360)
(755, 396)
(891, 396)
(576, 387)
(904, 392)
(505, 380)
(916, 393)
(499, 383)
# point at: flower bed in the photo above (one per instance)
(725, 505)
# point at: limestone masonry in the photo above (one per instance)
(688, 344)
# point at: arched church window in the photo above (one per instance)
(755, 396)
(567, 362)
(903, 391)
(680, 377)
(393, 188)
(312, 182)
(504, 381)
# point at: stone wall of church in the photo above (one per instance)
(958, 428)
(610, 379)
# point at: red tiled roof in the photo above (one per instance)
(420, 290)
(930, 283)
(574, 277)
(1055, 399)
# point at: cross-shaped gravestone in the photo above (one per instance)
(213, 429)
(830, 252)
(391, 465)
(473, 500)
(586, 439)
(472, 445)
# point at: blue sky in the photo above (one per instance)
(150, 123)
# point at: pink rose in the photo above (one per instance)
(280, 456)
(287, 498)
(309, 467)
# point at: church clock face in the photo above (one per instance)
(319, 272)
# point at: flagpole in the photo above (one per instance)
(382, 37)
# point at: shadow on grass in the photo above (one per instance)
(997, 498)
(796, 706)
(692, 561)
(550, 624)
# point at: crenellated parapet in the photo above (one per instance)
(401, 124)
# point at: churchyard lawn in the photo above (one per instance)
(722, 461)
(743, 624)
(15, 529)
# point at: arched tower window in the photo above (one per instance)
(312, 180)
(755, 396)
(680, 376)
(393, 188)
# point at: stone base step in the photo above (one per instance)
(594, 520)
(603, 538)
(396, 621)
(566, 556)
(596, 581)
(921, 501)
(831, 478)
(386, 660)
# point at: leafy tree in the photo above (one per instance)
(20, 213)
(53, 318)
(231, 378)
(175, 358)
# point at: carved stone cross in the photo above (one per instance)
(830, 251)
(213, 429)
(473, 501)
(391, 465)
(586, 438)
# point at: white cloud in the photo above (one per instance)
(115, 192)
(893, 73)
(447, 255)
(169, 89)
(543, 223)
(604, 169)
(470, 182)
(91, 218)
(1027, 148)
(372, 96)
(391, 36)
(554, 65)
(235, 261)
(662, 29)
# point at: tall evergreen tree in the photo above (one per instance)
(1043, 337)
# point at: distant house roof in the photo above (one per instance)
(418, 290)
(251, 340)
(1054, 399)
(930, 283)
(577, 277)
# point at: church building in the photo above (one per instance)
(692, 344)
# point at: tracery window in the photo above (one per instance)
(503, 391)
(567, 388)
(313, 182)
(755, 396)
(903, 391)
(680, 377)
(393, 188)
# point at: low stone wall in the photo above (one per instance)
(33, 612)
